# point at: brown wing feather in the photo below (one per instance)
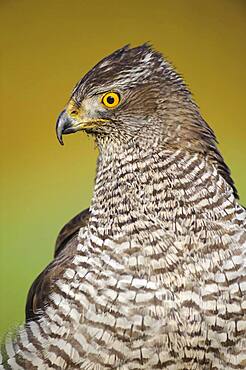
(70, 229)
(65, 249)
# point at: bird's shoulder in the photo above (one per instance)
(65, 249)
(70, 229)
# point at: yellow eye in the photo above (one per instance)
(111, 99)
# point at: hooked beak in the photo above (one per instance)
(66, 124)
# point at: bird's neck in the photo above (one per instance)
(138, 185)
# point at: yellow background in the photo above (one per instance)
(46, 46)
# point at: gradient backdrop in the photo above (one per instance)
(46, 46)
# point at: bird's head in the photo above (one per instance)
(134, 95)
(130, 93)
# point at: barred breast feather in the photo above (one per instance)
(160, 286)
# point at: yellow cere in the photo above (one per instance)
(72, 109)
(111, 99)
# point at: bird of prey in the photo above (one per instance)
(152, 275)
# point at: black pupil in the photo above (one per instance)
(110, 99)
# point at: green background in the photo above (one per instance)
(46, 46)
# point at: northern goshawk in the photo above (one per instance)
(152, 275)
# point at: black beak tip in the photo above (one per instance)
(60, 139)
(60, 127)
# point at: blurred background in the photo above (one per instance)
(46, 47)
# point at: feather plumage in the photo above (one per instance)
(153, 275)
